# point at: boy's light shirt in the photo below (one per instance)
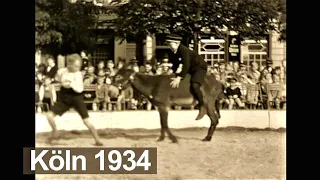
(75, 77)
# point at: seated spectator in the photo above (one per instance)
(110, 67)
(120, 64)
(276, 75)
(135, 68)
(209, 70)
(101, 95)
(242, 70)
(108, 79)
(47, 93)
(42, 68)
(101, 73)
(113, 94)
(126, 96)
(148, 69)
(100, 67)
(159, 70)
(51, 69)
(233, 93)
(236, 66)
(229, 70)
(166, 66)
(142, 69)
(90, 77)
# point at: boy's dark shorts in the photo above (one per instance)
(67, 101)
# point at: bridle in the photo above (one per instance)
(130, 80)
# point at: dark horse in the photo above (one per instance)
(158, 90)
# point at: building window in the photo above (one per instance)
(212, 50)
(253, 51)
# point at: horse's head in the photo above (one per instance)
(123, 77)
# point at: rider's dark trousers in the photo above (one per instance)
(197, 79)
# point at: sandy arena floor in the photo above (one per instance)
(232, 153)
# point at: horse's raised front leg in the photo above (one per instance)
(163, 111)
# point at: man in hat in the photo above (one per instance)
(269, 65)
(193, 64)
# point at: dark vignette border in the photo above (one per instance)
(19, 71)
(302, 56)
(18, 57)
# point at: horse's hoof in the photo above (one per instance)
(174, 140)
(98, 144)
(160, 139)
(206, 139)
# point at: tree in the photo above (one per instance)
(64, 27)
(249, 18)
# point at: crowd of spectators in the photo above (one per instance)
(236, 77)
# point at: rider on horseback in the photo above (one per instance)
(193, 64)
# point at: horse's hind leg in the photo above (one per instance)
(214, 118)
(163, 111)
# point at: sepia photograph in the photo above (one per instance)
(159, 90)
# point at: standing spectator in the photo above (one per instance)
(51, 69)
(100, 67)
(148, 69)
(233, 93)
(47, 93)
(222, 71)
(85, 60)
(254, 71)
(283, 71)
(269, 65)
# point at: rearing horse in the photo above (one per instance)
(159, 92)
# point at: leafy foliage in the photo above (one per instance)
(64, 27)
(249, 18)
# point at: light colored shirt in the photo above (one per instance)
(75, 77)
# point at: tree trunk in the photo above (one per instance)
(197, 26)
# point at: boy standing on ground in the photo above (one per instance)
(71, 96)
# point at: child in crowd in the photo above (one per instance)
(233, 93)
(101, 95)
(90, 77)
(47, 94)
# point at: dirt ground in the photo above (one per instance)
(232, 153)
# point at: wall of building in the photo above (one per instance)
(277, 49)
